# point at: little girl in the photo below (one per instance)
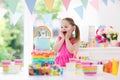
(67, 45)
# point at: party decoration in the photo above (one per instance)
(95, 4)
(14, 18)
(90, 70)
(113, 1)
(42, 35)
(99, 34)
(40, 28)
(105, 2)
(84, 2)
(115, 66)
(49, 4)
(43, 57)
(2, 12)
(47, 18)
(12, 67)
(12, 4)
(79, 11)
(66, 3)
(0, 1)
(30, 4)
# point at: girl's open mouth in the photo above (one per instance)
(64, 32)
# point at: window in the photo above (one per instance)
(11, 36)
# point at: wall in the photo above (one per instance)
(107, 15)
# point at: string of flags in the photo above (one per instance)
(0, 1)
(30, 4)
(49, 4)
(12, 4)
(79, 11)
(84, 3)
(14, 18)
(2, 12)
(105, 2)
(66, 3)
(95, 4)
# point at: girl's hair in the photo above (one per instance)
(77, 31)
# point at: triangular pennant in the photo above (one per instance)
(79, 11)
(47, 18)
(38, 22)
(66, 3)
(2, 12)
(95, 4)
(14, 18)
(30, 4)
(113, 1)
(84, 2)
(105, 2)
(12, 4)
(0, 1)
(49, 4)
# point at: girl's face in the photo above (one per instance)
(66, 27)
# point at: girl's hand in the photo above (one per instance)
(62, 35)
(67, 35)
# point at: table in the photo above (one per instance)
(68, 75)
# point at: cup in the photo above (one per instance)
(99, 69)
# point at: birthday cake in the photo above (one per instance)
(42, 57)
(42, 35)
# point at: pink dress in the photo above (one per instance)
(63, 54)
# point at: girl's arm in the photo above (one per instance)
(72, 48)
(58, 44)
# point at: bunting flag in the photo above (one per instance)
(49, 4)
(12, 4)
(113, 1)
(105, 2)
(47, 17)
(14, 18)
(95, 4)
(0, 1)
(79, 11)
(38, 22)
(66, 3)
(2, 12)
(84, 2)
(30, 4)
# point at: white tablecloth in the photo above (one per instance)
(68, 75)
